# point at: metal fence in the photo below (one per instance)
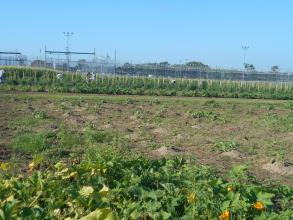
(109, 66)
(183, 71)
(106, 66)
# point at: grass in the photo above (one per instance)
(30, 143)
(225, 146)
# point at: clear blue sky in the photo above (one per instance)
(211, 31)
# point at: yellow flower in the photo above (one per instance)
(57, 212)
(9, 199)
(225, 215)
(230, 188)
(60, 165)
(104, 191)
(191, 197)
(4, 166)
(258, 205)
(7, 184)
(65, 170)
(86, 191)
(73, 174)
(93, 172)
(31, 166)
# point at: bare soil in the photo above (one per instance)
(156, 133)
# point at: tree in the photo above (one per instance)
(275, 69)
(164, 63)
(82, 65)
(197, 64)
(127, 65)
(249, 67)
(37, 63)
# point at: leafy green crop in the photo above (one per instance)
(121, 187)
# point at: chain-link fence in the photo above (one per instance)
(185, 71)
(106, 66)
(109, 66)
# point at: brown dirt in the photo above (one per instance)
(232, 154)
(279, 168)
(5, 153)
(167, 151)
(175, 128)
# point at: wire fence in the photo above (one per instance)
(109, 66)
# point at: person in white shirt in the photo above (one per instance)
(2, 76)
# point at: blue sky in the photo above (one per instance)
(211, 31)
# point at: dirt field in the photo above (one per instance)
(220, 133)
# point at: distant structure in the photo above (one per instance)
(8, 58)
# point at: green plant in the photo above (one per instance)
(289, 105)
(77, 102)
(204, 114)
(155, 101)
(129, 101)
(29, 79)
(40, 114)
(161, 112)
(30, 143)
(224, 146)
(138, 114)
(122, 187)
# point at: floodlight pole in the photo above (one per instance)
(67, 35)
(115, 60)
(45, 57)
(244, 48)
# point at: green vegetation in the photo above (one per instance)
(224, 146)
(30, 143)
(137, 188)
(76, 156)
(204, 114)
(26, 79)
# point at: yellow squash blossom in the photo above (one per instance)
(31, 166)
(225, 215)
(191, 197)
(86, 191)
(7, 184)
(104, 191)
(4, 166)
(9, 199)
(73, 174)
(229, 188)
(258, 205)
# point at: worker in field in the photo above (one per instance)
(2, 76)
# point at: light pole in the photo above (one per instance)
(67, 35)
(244, 48)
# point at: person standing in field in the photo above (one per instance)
(2, 76)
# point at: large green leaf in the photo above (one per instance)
(101, 214)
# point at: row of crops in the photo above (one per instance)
(111, 186)
(28, 79)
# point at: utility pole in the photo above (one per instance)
(115, 60)
(45, 57)
(67, 35)
(244, 48)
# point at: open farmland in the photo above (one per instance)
(115, 147)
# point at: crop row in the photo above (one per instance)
(28, 79)
(111, 186)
